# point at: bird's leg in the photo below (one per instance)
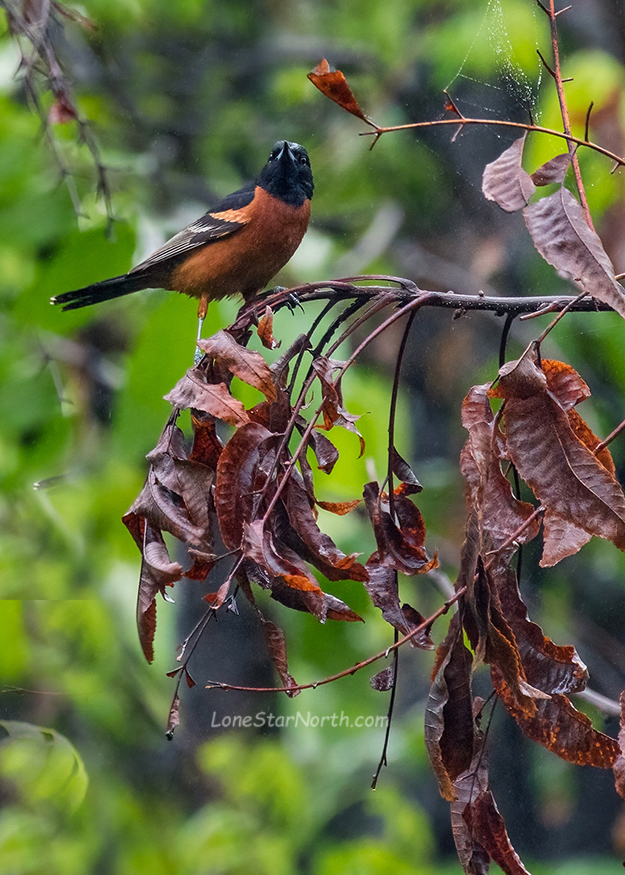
(202, 310)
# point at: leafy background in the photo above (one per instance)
(186, 100)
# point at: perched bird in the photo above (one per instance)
(233, 249)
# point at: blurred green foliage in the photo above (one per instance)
(186, 100)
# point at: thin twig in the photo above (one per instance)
(425, 626)
(524, 126)
(564, 112)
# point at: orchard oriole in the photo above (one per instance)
(235, 248)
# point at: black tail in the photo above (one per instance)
(103, 291)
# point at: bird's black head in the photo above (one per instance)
(287, 174)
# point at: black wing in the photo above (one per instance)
(221, 221)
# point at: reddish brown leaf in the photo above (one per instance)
(247, 365)
(505, 181)
(561, 728)
(498, 513)
(193, 391)
(569, 388)
(276, 644)
(340, 508)
(203, 564)
(565, 383)
(242, 471)
(548, 667)
(207, 446)
(619, 763)
(265, 330)
(321, 604)
(277, 559)
(401, 544)
(580, 495)
(333, 411)
(487, 828)
(563, 238)
(300, 531)
(383, 591)
(157, 572)
(449, 725)
(553, 171)
(175, 497)
(333, 84)
(325, 452)
(494, 642)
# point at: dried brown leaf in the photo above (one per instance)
(488, 830)
(561, 235)
(265, 330)
(619, 763)
(384, 680)
(409, 482)
(157, 572)
(193, 391)
(247, 365)
(561, 728)
(340, 508)
(553, 171)
(449, 725)
(498, 513)
(333, 84)
(243, 469)
(504, 180)
(300, 531)
(383, 590)
(582, 498)
(276, 645)
(548, 666)
(401, 545)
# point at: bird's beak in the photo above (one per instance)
(285, 153)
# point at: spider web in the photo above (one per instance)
(513, 92)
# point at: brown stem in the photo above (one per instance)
(500, 123)
(564, 111)
(610, 438)
(423, 627)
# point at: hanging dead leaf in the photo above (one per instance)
(383, 590)
(300, 531)
(401, 545)
(548, 667)
(340, 508)
(562, 236)
(553, 171)
(488, 830)
(193, 391)
(244, 467)
(247, 365)
(384, 680)
(504, 180)
(580, 496)
(561, 728)
(207, 446)
(449, 725)
(157, 572)
(333, 84)
(276, 645)
(409, 482)
(265, 330)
